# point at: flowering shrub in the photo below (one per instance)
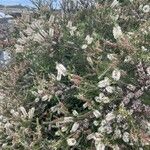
(80, 81)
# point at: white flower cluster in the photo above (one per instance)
(117, 32)
(71, 28)
(61, 71)
(88, 40)
(145, 8)
(35, 32)
(115, 3)
(24, 113)
(116, 74)
(106, 84)
(102, 98)
(98, 102)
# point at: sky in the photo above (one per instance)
(16, 2)
(22, 2)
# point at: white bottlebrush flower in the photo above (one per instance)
(61, 70)
(117, 133)
(78, 33)
(96, 113)
(128, 59)
(125, 126)
(98, 99)
(126, 137)
(131, 87)
(116, 147)
(4, 146)
(117, 32)
(75, 113)
(130, 35)
(43, 33)
(110, 116)
(8, 127)
(102, 98)
(114, 3)
(103, 122)
(40, 92)
(116, 74)
(146, 9)
(51, 32)
(72, 30)
(138, 93)
(64, 128)
(148, 70)
(90, 136)
(2, 96)
(89, 39)
(31, 113)
(148, 125)
(106, 100)
(110, 89)
(74, 127)
(102, 129)
(22, 109)
(34, 93)
(50, 97)
(99, 145)
(19, 48)
(141, 7)
(45, 97)
(38, 38)
(85, 105)
(69, 25)
(115, 17)
(22, 40)
(108, 129)
(68, 119)
(144, 49)
(96, 123)
(36, 24)
(131, 1)
(51, 19)
(57, 133)
(90, 60)
(71, 141)
(84, 46)
(37, 100)
(112, 56)
(1, 118)
(14, 113)
(104, 83)
(55, 108)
